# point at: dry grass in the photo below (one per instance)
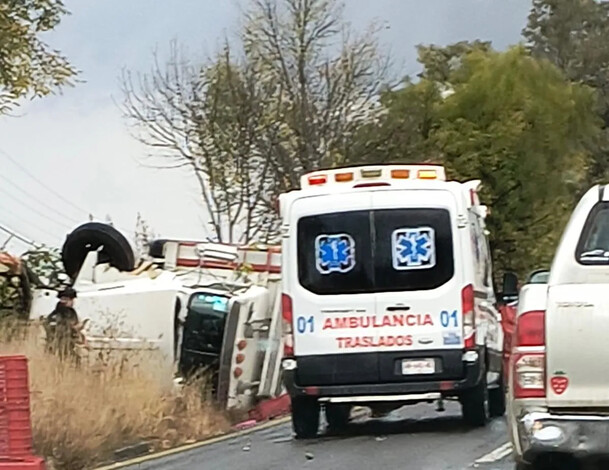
(80, 416)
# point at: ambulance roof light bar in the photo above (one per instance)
(363, 176)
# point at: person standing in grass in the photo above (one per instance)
(63, 329)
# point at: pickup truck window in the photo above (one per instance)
(539, 277)
(593, 246)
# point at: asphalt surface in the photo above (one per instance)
(417, 438)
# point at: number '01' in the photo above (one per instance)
(447, 317)
(304, 323)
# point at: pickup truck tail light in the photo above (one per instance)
(529, 356)
(288, 336)
(469, 317)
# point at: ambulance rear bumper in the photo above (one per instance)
(449, 387)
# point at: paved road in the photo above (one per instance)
(415, 438)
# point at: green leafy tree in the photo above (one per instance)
(28, 66)
(574, 35)
(402, 133)
(513, 121)
(518, 125)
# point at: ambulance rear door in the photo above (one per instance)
(329, 270)
(418, 282)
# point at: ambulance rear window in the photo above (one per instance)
(413, 249)
(334, 253)
(375, 251)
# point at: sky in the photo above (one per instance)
(69, 155)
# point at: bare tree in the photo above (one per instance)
(206, 118)
(288, 99)
(325, 97)
(143, 236)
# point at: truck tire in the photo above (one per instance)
(496, 398)
(305, 417)
(475, 403)
(337, 416)
(91, 236)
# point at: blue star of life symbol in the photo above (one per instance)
(334, 253)
(413, 248)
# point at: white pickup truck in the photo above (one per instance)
(558, 404)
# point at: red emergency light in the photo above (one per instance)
(317, 179)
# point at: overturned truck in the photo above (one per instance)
(195, 305)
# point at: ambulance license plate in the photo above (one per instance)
(418, 366)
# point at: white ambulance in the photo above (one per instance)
(388, 295)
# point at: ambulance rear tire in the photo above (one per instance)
(496, 398)
(475, 403)
(337, 416)
(305, 417)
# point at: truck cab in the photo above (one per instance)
(388, 296)
(559, 398)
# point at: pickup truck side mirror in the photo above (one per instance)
(510, 285)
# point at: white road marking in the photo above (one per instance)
(496, 455)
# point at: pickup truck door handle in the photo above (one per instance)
(396, 308)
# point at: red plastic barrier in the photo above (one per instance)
(15, 424)
(272, 408)
(29, 463)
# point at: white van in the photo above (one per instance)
(388, 296)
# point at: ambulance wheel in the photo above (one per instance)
(337, 416)
(475, 403)
(305, 417)
(496, 398)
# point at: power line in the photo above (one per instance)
(33, 209)
(38, 201)
(17, 216)
(51, 190)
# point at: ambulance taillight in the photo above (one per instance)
(469, 316)
(286, 314)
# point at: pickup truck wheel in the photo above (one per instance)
(305, 417)
(475, 403)
(337, 416)
(496, 398)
